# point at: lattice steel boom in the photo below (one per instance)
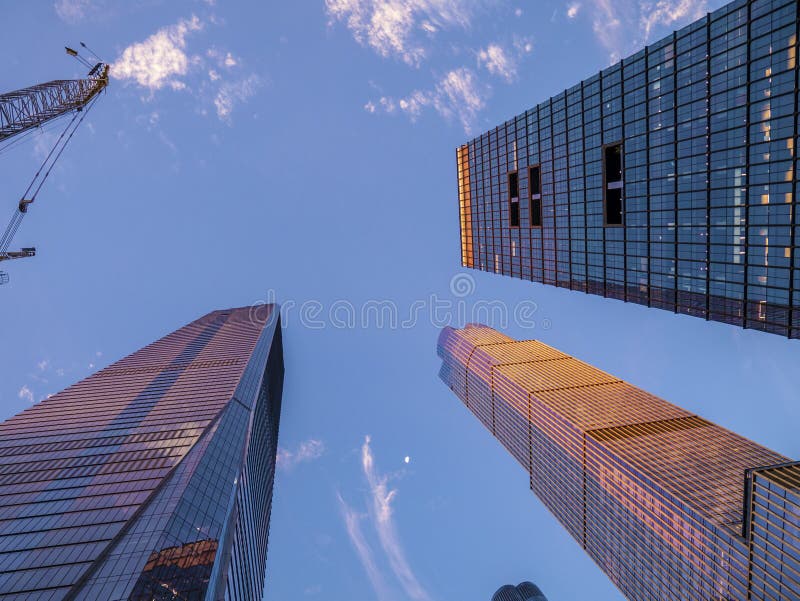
(31, 107)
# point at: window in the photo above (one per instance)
(613, 184)
(535, 185)
(513, 198)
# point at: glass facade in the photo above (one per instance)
(525, 591)
(656, 495)
(668, 179)
(151, 479)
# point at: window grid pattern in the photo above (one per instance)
(708, 123)
(773, 529)
(121, 486)
(652, 492)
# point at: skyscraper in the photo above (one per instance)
(669, 505)
(525, 591)
(668, 179)
(151, 479)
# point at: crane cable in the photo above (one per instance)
(39, 179)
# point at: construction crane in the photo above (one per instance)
(22, 111)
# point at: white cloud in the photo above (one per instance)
(222, 58)
(382, 518)
(26, 394)
(496, 60)
(233, 92)
(42, 365)
(73, 11)
(352, 522)
(160, 60)
(457, 95)
(623, 26)
(573, 10)
(307, 451)
(392, 27)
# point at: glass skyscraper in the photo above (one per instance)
(525, 591)
(669, 505)
(669, 179)
(151, 479)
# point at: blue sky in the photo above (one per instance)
(305, 152)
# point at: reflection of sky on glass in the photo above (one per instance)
(284, 155)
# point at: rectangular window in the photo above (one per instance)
(513, 198)
(535, 185)
(613, 184)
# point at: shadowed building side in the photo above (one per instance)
(655, 494)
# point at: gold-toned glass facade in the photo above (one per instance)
(653, 493)
(668, 179)
(151, 479)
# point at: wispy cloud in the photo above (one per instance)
(73, 11)
(165, 60)
(399, 28)
(352, 522)
(459, 94)
(308, 450)
(496, 60)
(382, 517)
(502, 61)
(233, 92)
(621, 26)
(573, 10)
(160, 60)
(25, 393)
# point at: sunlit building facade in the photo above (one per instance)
(151, 479)
(668, 179)
(669, 505)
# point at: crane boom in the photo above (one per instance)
(23, 110)
(31, 107)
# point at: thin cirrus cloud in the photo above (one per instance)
(399, 28)
(458, 94)
(366, 555)
(308, 450)
(380, 513)
(622, 26)
(164, 61)
(409, 31)
(73, 11)
(25, 394)
(503, 61)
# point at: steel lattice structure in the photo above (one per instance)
(31, 107)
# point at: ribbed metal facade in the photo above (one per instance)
(654, 493)
(525, 591)
(698, 212)
(151, 479)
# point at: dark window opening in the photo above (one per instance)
(614, 206)
(513, 184)
(515, 213)
(613, 163)
(513, 198)
(535, 184)
(614, 185)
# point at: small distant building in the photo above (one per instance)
(525, 591)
